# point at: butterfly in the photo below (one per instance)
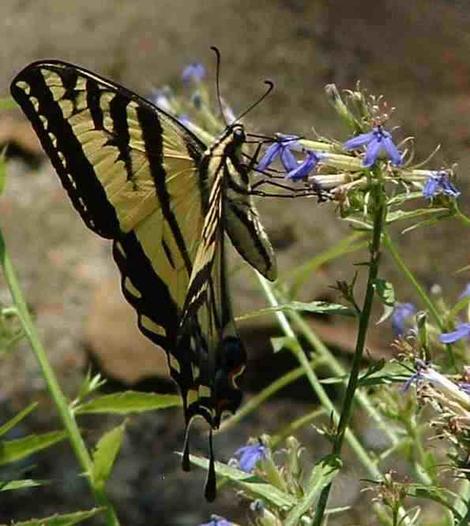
(140, 178)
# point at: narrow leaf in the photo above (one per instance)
(283, 342)
(13, 450)
(61, 520)
(128, 402)
(440, 495)
(384, 290)
(17, 418)
(251, 484)
(316, 307)
(105, 455)
(400, 215)
(323, 473)
(20, 484)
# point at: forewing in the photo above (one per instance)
(132, 172)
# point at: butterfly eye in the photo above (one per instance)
(239, 134)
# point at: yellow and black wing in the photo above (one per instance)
(132, 172)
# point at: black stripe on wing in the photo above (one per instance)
(65, 151)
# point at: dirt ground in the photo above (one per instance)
(416, 55)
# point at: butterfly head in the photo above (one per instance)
(238, 134)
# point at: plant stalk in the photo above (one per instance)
(377, 195)
(61, 402)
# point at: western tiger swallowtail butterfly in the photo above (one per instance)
(139, 177)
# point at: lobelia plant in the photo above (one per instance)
(374, 184)
(423, 393)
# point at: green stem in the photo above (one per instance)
(57, 395)
(314, 381)
(377, 195)
(392, 249)
(461, 216)
(426, 300)
(336, 368)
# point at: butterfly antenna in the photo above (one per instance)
(270, 85)
(217, 82)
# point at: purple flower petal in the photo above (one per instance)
(302, 170)
(392, 151)
(431, 187)
(437, 183)
(402, 312)
(462, 331)
(288, 159)
(194, 72)
(184, 120)
(269, 156)
(161, 98)
(248, 456)
(373, 150)
(216, 520)
(360, 140)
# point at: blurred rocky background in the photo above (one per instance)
(415, 53)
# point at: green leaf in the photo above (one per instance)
(402, 198)
(323, 473)
(61, 520)
(105, 455)
(401, 215)
(128, 402)
(441, 495)
(283, 342)
(385, 292)
(13, 450)
(17, 418)
(251, 484)
(317, 307)
(20, 484)
(382, 373)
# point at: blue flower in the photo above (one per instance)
(303, 169)
(282, 149)
(194, 72)
(438, 182)
(462, 331)
(216, 520)
(400, 317)
(378, 141)
(248, 456)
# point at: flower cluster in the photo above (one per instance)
(345, 172)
